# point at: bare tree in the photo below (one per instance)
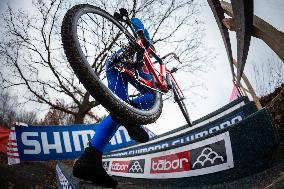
(57, 117)
(12, 111)
(267, 76)
(32, 55)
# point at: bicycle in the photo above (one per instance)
(83, 22)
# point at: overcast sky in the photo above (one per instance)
(218, 81)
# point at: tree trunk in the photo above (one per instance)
(79, 118)
(83, 109)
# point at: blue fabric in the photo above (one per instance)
(118, 83)
(138, 25)
(105, 130)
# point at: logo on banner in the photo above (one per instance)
(133, 166)
(171, 163)
(207, 156)
(137, 166)
(106, 165)
(120, 166)
(61, 142)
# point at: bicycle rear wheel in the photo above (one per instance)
(90, 37)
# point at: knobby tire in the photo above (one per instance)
(119, 109)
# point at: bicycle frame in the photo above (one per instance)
(160, 77)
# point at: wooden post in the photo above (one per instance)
(229, 23)
(243, 16)
(250, 88)
(261, 29)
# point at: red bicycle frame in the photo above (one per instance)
(160, 77)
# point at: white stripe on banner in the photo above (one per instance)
(13, 154)
(12, 148)
(12, 144)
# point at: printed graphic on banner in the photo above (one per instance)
(106, 165)
(64, 183)
(213, 154)
(37, 143)
(120, 166)
(181, 139)
(132, 166)
(177, 162)
(137, 166)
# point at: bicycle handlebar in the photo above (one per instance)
(171, 53)
(174, 55)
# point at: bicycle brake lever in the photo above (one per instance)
(173, 70)
(119, 17)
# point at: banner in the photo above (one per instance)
(179, 138)
(4, 135)
(40, 143)
(204, 157)
(235, 93)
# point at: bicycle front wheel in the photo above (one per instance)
(90, 37)
(179, 99)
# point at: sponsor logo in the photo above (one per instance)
(120, 166)
(137, 166)
(67, 142)
(46, 142)
(171, 163)
(51, 141)
(133, 166)
(207, 156)
(106, 165)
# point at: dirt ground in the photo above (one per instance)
(37, 175)
(28, 175)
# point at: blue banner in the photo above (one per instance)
(38, 143)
